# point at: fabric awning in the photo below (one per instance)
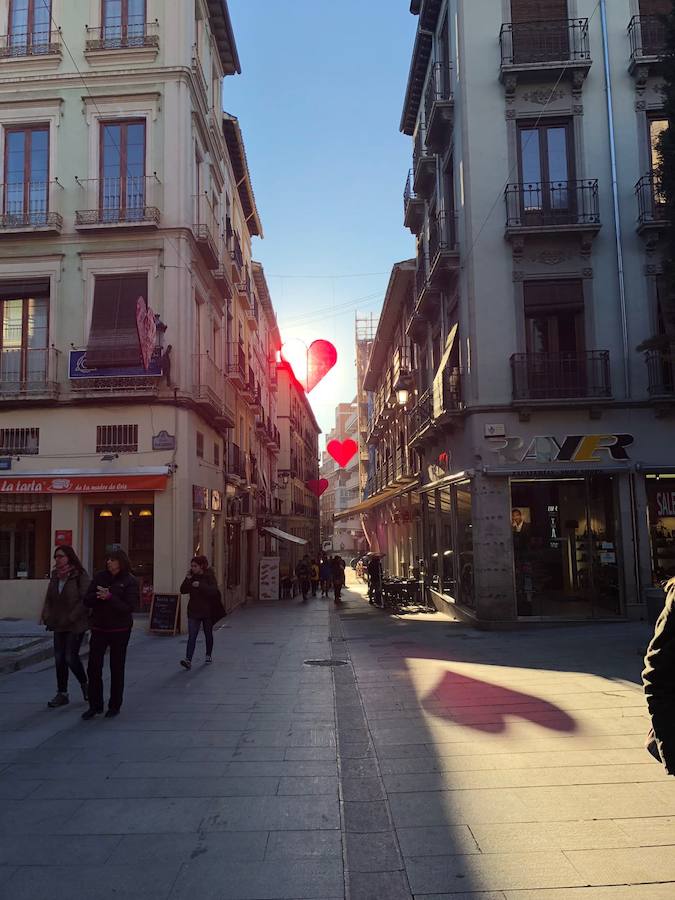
(284, 535)
(372, 502)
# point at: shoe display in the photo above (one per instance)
(112, 713)
(90, 713)
(208, 660)
(186, 664)
(59, 700)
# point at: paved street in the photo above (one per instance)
(439, 762)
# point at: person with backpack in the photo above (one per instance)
(658, 678)
(65, 614)
(204, 607)
(303, 572)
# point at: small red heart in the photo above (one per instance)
(317, 487)
(342, 451)
(321, 357)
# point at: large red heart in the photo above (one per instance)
(342, 451)
(317, 487)
(321, 357)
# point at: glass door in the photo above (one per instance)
(122, 191)
(26, 200)
(545, 174)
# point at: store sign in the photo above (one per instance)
(63, 538)
(77, 368)
(216, 501)
(164, 441)
(665, 504)
(200, 497)
(578, 448)
(82, 484)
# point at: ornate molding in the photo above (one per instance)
(640, 105)
(510, 85)
(542, 97)
(586, 245)
(578, 109)
(587, 272)
(510, 114)
(653, 269)
(518, 275)
(551, 257)
(518, 247)
(578, 78)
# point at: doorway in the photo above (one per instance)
(130, 527)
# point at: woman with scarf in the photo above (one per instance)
(65, 614)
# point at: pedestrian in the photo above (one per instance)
(325, 575)
(112, 597)
(360, 572)
(65, 614)
(315, 576)
(303, 573)
(338, 577)
(374, 569)
(659, 683)
(200, 583)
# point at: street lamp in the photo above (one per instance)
(403, 388)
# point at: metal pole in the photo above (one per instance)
(615, 198)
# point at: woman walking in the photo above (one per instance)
(112, 596)
(65, 614)
(325, 575)
(338, 576)
(200, 583)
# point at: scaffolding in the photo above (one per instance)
(366, 328)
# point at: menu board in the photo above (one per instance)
(165, 614)
(268, 582)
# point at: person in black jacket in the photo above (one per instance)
(112, 596)
(659, 682)
(200, 584)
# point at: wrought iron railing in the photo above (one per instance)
(561, 376)
(420, 276)
(661, 371)
(116, 34)
(439, 87)
(420, 151)
(31, 204)
(647, 35)
(409, 194)
(235, 462)
(442, 235)
(206, 227)
(552, 203)
(125, 200)
(236, 362)
(39, 42)
(651, 200)
(422, 415)
(25, 373)
(545, 42)
(198, 73)
(208, 382)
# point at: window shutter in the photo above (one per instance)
(16, 290)
(538, 10)
(113, 337)
(655, 7)
(553, 296)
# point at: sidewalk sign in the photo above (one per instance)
(164, 614)
(268, 579)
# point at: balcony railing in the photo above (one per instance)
(235, 252)
(131, 200)
(401, 363)
(422, 415)
(206, 228)
(442, 236)
(438, 103)
(661, 372)
(547, 204)
(420, 277)
(424, 164)
(119, 35)
(30, 206)
(40, 42)
(198, 72)
(651, 201)
(208, 383)
(413, 206)
(545, 43)
(561, 376)
(647, 35)
(237, 369)
(235, 463)
(28, 373)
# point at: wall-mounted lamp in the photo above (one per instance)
(109, 457)
(403, 388)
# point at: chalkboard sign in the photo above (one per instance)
(164, 614)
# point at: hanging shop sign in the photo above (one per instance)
(200, 497)
(63, 538)
(81, 484)
(216, 501)
(578, 448)
(665, 504)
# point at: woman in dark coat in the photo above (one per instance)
(112, 597)
(65, 614)
(200, 584)
(659, 682)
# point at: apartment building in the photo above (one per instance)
(544, 436)
(342, 534)
(127, 293)
(297, 464)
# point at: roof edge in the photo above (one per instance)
(398, 269)
(235, 144)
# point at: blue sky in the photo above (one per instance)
(319, 101)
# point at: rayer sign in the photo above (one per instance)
(578, 448)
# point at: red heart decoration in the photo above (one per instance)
(342, 451)
(317, 487)
(321, 357)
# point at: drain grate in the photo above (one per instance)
(325, 662)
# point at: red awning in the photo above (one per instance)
(17, 486)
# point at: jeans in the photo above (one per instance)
(304, 587)
(98, 644)
(193, 631)
(67, 656)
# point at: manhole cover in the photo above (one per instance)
(325, 662)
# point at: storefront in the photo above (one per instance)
(660, 490)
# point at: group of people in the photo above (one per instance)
(327, 573)
(104, 605)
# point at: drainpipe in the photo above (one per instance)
(615, 198)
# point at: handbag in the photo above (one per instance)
(216, 607)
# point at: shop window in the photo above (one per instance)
(113, 335)
(464, 543)
(200, 445)
(661, 505)
(19, 441)
(25, 525)
(117, 438)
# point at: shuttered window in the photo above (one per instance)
(113, 336)
(655, 7)
(538, 10)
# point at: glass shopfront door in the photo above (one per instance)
(132, 529)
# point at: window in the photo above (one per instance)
(30, 25)
(657, 125)
(554, 317)
(26, 176)
(546, 169)
(540, 30)
(24, 330)
(200, 445)
(216, 454)
(117, 438)
(122, 170)
(113, 336)
(123, 22)
(19, 441)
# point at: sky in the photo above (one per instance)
(319, 102)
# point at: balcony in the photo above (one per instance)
(546, 377)
(273, 438)
(443, 249)
(421, 418)
(403, 470)
(261, 426)
(427, 289)
(424, 166)
(413, 207)
(208, 388)
(439, 106)
(647, 36)
(236, 254)
(114, 382)
(30, 208)
(553, 48)
(30, 47)
(251, 392)
(553, 207)
(199, 77)
(237, 368)
(652, 210)
(119, 203)
(252, 313)
(206, 229)
(235, 465)
(661, 372)
(222, 275)
(116, 37)
(28, 374)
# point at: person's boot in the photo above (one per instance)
(61, 699)
(85, 691)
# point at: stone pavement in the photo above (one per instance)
(22, 642)
(438, 762)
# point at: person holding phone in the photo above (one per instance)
(112, 596)
(200, 583)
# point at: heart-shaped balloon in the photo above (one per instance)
(342, 451)
(321, 357)
(317, 487)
